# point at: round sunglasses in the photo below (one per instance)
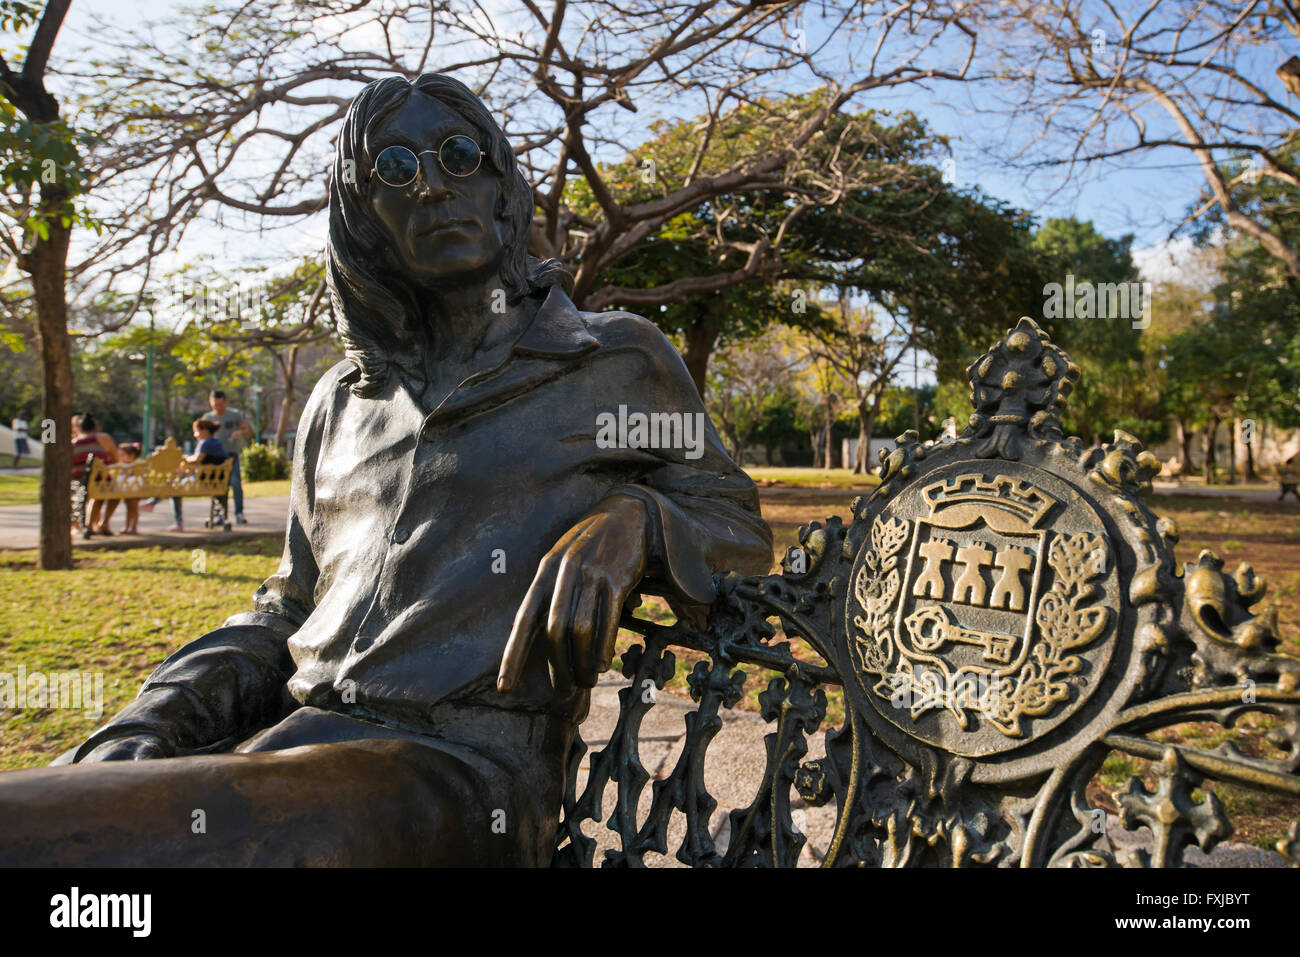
(399, 166)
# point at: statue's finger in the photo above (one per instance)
(606, 628)
(559, 625)
(587, 635)
(528, 621)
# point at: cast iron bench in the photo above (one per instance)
(163, 474)
(999, 616)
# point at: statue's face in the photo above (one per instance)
(441, 227)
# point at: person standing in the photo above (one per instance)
(20, 426)
(232, 430)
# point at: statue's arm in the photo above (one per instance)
(702, 509)
(684, 513)
(231, 682)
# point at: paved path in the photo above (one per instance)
(1250, 493)
(20, 524)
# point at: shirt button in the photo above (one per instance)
(362, 643)
(401, 534)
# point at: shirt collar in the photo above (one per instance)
(557, 330)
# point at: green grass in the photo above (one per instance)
(119, 614)
(26, 489)
(266, 489)
(20, 489)
(812, 478)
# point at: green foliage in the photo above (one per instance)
(37, 155)
(1119, 386)
(779, 424)
(821, 247)
(16, 15)
(952, 399)
(260, 463)
(898, 411)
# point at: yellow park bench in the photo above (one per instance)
(164, 474)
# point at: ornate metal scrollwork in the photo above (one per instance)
(1001, 615)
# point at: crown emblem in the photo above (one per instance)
(1021, 498)
(1019, 389)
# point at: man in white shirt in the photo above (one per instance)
(231, 432)
(21, 448)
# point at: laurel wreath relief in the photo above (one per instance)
(876, 587)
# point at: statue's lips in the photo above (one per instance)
(444, 225)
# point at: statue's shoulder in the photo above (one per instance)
(334, 384)
(616, 328)
(331, 389)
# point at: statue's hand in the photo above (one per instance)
(577, 596)
(137, 747)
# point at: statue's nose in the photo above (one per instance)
(431, 185)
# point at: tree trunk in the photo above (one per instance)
(47, 263)
(290, 372)
(1232, 451)
(866, 425)
(815, 440)
(168, 429)
(700, 340)
(830, 436)
(1211, 452)
(1185, 443)
(737, 448)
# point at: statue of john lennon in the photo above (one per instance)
(459, 548)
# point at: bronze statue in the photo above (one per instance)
(460, 547)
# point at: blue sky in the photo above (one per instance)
(1147, 196)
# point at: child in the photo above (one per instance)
(129, 453)
(209, 451)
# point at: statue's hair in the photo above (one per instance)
(377, 308)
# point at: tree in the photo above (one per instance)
(281, 316)
(749, 381)
(1118, 387)
(42, 180)
(820, 391)
(864, 347)
(715, 270)
(958, 265)
(1106, 83)
(192, 123)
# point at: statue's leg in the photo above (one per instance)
(386, 800)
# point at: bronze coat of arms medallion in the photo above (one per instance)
(986, 601)
(983, 613)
